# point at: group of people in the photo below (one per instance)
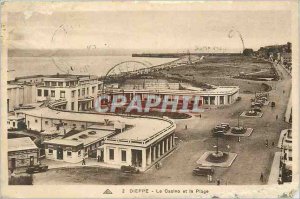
(267, 143)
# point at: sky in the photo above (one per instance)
(147, 29)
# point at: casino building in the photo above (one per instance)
(221, 95)
(116, 139)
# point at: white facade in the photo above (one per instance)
(141, 155)
(64, 150)
(69, 92)
(137, 145)
(13, 121)
(20, 94)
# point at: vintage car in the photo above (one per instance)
(256, 109)
(219, 133)
(226, 126)
(129, 169)
(37, 168)
(203, 171)
(258, 104)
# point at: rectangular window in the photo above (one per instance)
(206, 100)
(221, 99)
(93, 89)
(72, 105)
(82, 126)
(60, 84)
(73, 93)
(111, 154)
(39, 92)
(14, 124)
(83, 92)
(67, 83)
(46, 93)
(52, 93)
(123, 154)
(50, 151)
(78, 92)
(47, 83)
(46, 122)
(62, 94)
(53, 83)
(69, 153)
(36, 121)
(87, 91)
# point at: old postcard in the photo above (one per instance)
(149, 99)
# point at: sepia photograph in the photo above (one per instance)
(149, 98)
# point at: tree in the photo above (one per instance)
(248, 52)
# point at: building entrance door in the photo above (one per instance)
(31, 162)
(136, 158)
(13, 163)
(60, 154)
(7, 105)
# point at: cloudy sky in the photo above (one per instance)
(147, 30)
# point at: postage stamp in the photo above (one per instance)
(153, 99)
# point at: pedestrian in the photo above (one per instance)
(98, 158)
(267, 143)
(12, 173)
(262, 177)
(200, 115)
(185, 127)
(218, 182)
(276, 117)
(273, 144)
(83, 161)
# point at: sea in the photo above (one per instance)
(87, 65)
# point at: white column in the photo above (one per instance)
(105, 154)
(167, 142)
(144, 159)
(149, 156)
(163, 146)
(129, 156)
(154, 153)
(158, 154)
(173, 140)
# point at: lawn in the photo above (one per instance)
(221, 70)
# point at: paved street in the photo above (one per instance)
(253, 157)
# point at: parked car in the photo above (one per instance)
(203, 171)
(129, 169)
(257, 109)
(219, 133)
(218, 128)
(37, 168)
(226, 126)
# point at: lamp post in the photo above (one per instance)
(217, 151)
(239, 120)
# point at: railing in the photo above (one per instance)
(149, 138)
